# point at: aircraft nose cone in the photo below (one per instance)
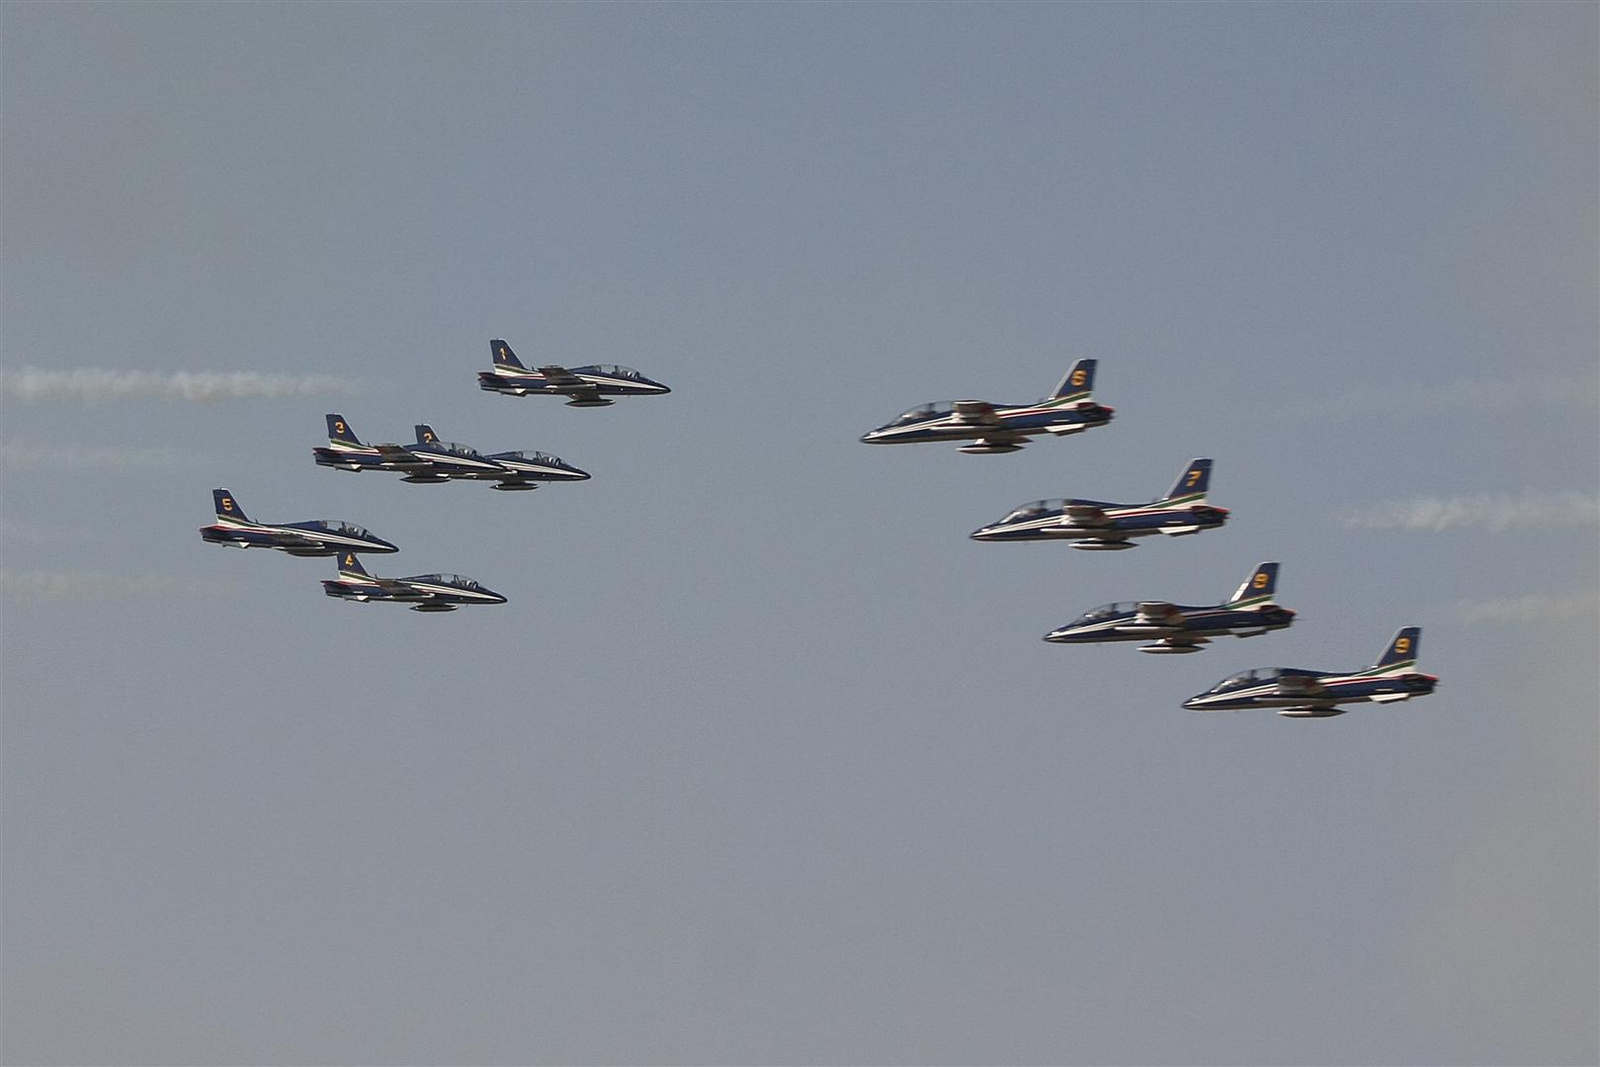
(870, 437)
(1194, 704)
(983, 533)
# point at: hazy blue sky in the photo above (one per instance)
(764, 761)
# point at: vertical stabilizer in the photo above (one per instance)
(339, 432)
(1191, 486)
(228, 508)
(1400, 657)
(1078, 384)
(503, 356)
(1258, 589)
(350, 567)
(425, 434)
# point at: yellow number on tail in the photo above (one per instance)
(1403, 645)
(1194, 476)
(1078, 378)
(338, 427)
(227, 503)
(1261, 580)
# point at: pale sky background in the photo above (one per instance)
(765, 761)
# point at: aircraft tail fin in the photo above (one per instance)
(350, 567)
(1191, 486)
(1077, 384)
(425, 434)
(1258, 589)
(1400, 657)
(503, 356)
(227, 506)
(340, 433)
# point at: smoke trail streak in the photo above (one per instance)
(1530, 608)
(1483, 511)
(89, 386)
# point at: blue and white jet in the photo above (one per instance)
(423, 592)
(593, 386)
(1096, 525)
(527, 468)
(1303, 694)
(996, 428)
(1180, 628)
(315, 537)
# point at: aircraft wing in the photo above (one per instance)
(291, 540)
(556, 374)
(401, 589)
(1158, 613)
(976, 413)
(1087, 515)
(1388, 698)
(401, 458)
(1296, 685)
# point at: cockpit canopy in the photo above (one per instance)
(1259, 676)
(1034, 509)
(535, 457)
(454, 449)
(609, 370)
(348, 529)
(447, 579)
(923, 412)
(1106, 611)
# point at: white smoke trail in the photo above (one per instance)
(81, 585)
(89, 386)
(1495, 514)
(1531, 608)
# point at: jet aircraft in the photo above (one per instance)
(996, 428)
(1303, 694)
(1095, 525)
(430, 460)
(528, 467)
(1180, 627)
(317, 537)
(424, 592)
(593, 386)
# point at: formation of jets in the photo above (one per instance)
(1097, 525)
(428, 460)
